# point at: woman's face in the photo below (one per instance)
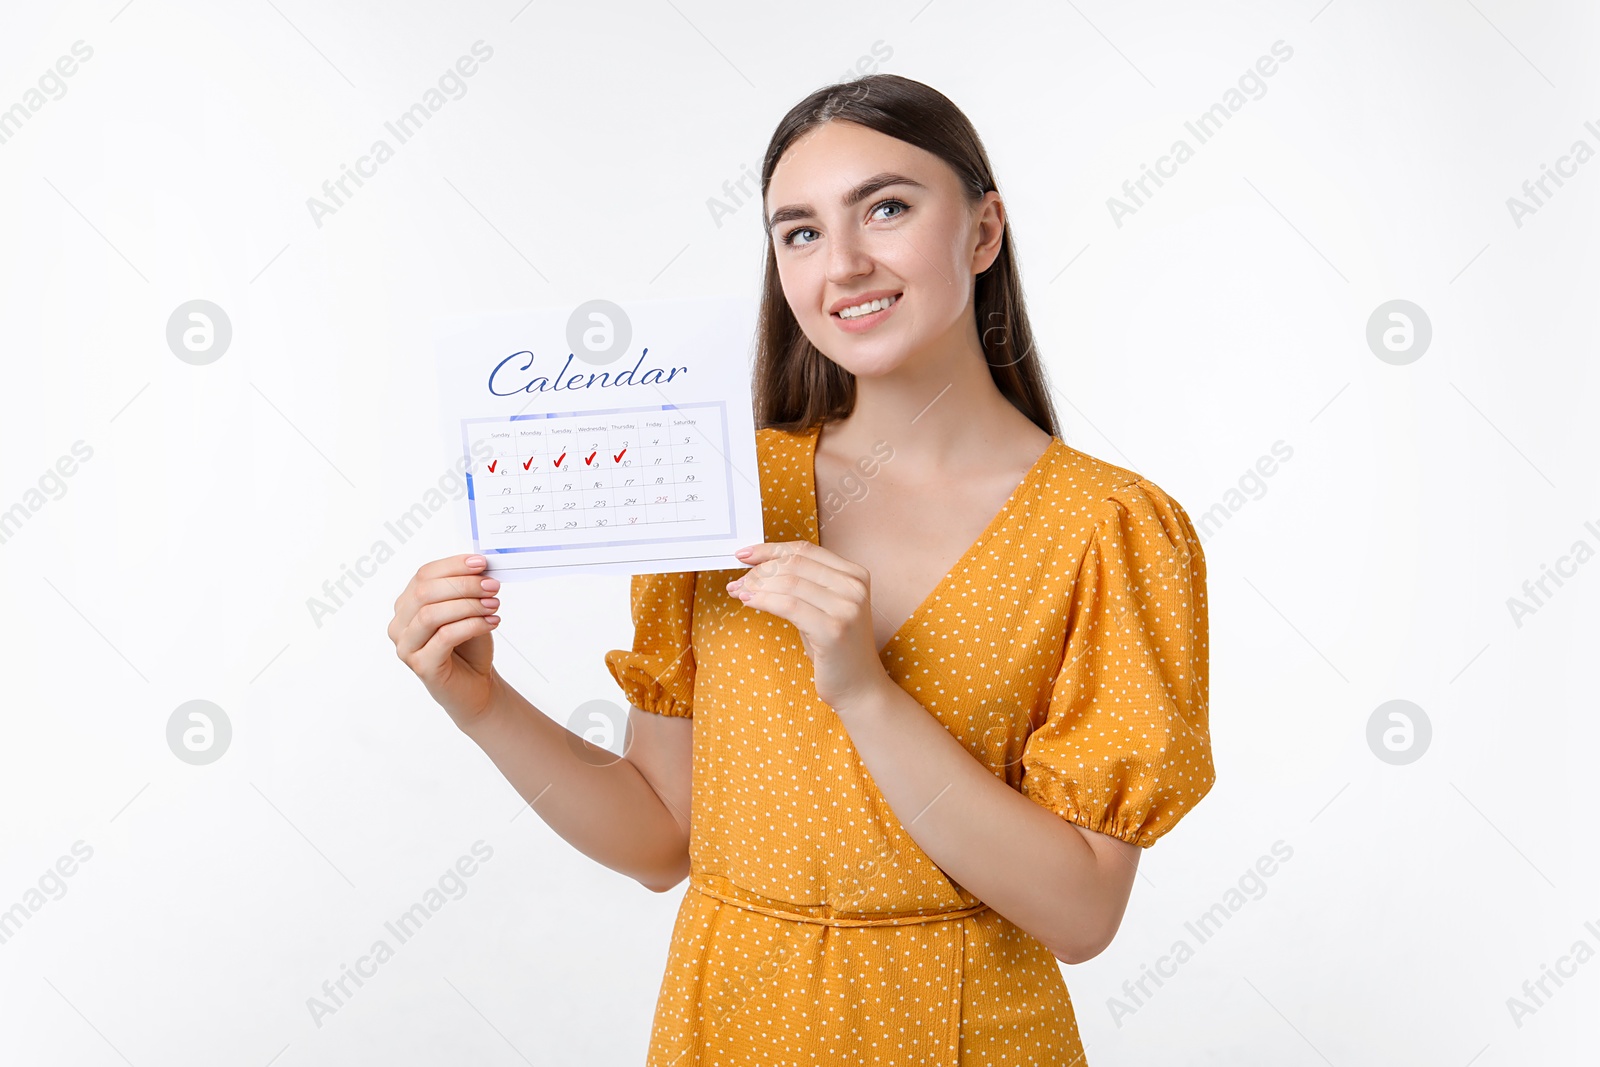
(908, 234)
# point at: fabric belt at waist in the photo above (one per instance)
(725, 891)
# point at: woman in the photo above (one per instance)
(934, 723)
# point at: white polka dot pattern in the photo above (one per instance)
(1066, 650)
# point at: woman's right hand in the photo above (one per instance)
(441, 630)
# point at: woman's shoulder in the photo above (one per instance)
(1093, 479)
(785, 477)
(1095, 488)
(783, 455)
(776, 437)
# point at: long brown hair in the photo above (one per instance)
(795, 385)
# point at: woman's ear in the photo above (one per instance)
(990, 225)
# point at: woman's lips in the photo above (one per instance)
(867, 322)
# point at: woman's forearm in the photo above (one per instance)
(1027, 863)
(603, 807)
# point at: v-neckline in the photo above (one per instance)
(995, 523)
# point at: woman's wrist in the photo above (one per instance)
(502, 704)
(873, 699)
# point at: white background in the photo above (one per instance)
(1227, 314)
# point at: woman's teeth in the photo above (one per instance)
(868, 308)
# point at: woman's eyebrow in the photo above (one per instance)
(850, 199)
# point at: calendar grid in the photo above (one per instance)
(598, 478)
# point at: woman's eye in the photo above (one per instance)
(789, 238)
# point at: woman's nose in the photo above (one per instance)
(847, 258)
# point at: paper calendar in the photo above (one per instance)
(604, 438)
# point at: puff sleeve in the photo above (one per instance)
(657, 675)
(1125, 748)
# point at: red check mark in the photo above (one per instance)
(491, 466)
(560, 458)
(525, 465)
(618, 457)
(590, 460)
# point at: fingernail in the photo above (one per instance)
(490, 584)
(742, 552)
(489, 602)
(492, 620)
(476, 561)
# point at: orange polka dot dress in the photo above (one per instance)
(1066, 650)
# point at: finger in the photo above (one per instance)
(441, 568)
(420, 591)
(468, 586)
(772, 574)
(813, 610)
(430, 658)
(452, 565)
(431, 617)
(837, 595)
(779, 550)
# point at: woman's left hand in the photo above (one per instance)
(829, 600)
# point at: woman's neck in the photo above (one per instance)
(942, 414)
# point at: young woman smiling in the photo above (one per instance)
(929, 738)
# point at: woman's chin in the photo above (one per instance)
(869, 365)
